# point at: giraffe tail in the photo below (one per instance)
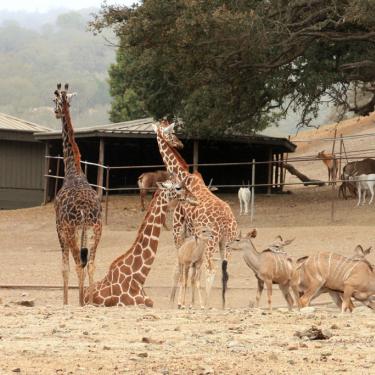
(224, 279)
(84, 256)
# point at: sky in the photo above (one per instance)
(46, 5)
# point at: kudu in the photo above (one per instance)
(190, 259)
(346, 276)
(271, 266)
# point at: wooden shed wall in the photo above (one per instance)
(21, 174)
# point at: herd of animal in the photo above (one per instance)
(203, 224)
(358, 176)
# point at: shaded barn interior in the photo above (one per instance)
(134, 148)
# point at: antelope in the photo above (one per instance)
(149, 180)
(271, 266)
(348, 276)
(190, 257)
(244, 196)
(364, 183)
(331, 163)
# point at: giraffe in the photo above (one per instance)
(77, 206)
(211, 212)
(123, 283)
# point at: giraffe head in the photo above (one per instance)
(166, 130)
(176, 191)
(62, 100)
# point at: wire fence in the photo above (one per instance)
(276, 168)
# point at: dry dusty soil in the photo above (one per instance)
(51, 339)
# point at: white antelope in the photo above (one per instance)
(244, 196)
(365, 182)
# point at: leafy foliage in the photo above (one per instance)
(241, 65)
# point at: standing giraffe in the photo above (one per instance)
(211, 212)
(331, 163)
(123, 283)
(77, 206)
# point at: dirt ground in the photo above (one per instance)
(51, 339)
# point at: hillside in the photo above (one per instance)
(35, 57)
(309, 143)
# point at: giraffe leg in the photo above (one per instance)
(65, 263)
(97, 229)
(198, 286)
(65, 273)
(77, 259)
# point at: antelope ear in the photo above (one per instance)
(253, 233)
(288, 242)
(359, 250)
(367, 251)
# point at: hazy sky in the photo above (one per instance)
(45, 5)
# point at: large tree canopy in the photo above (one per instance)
(236, 65)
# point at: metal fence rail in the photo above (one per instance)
(106, 188)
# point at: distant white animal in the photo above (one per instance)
(365, 182)
(244, 196)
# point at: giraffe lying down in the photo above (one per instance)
(123, 283)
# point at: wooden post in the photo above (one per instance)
(106, 195)
(334, 182)
(100, 169)
(46, 171)
(57, 174)
(269, 179)
(195, 155)
(282, 172)
(277, 166)
(252, 191)
(339, 171)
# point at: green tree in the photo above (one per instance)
(229, 65)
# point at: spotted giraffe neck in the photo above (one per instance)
(72, 156)
(173, 161)
(141, 255)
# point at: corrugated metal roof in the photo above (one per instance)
(11, 123)
(143, 128)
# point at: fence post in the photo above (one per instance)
(46, 172)
(252, 191)
(334, 179)
(57, 174)
(106, 194)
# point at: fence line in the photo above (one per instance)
(251, 164)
